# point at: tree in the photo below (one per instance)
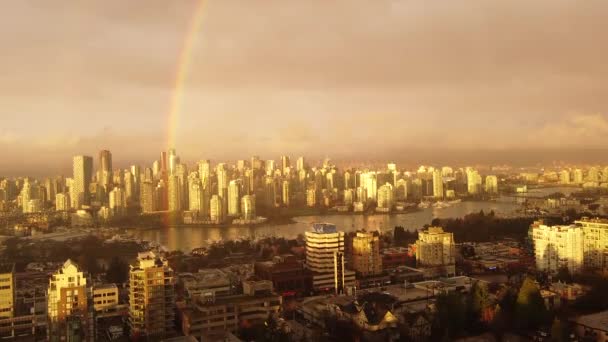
(451, 315)
(478, 302)
(118, 271)
(530, 310)
(558, 331)
(563, 274)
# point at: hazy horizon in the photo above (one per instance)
(467, 81)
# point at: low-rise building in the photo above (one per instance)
(105, 297)
(208, 318)
(287, 274)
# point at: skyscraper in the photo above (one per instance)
(285, 164)
(216, 209)
(222, 179)
(300, 164)
(62, 202)
(286, 193)
(151, 296)
(248, 207)
(118, 201)
(491, 184)
(234, 198)
(83, 172)
(105, 169)
(385, 197)
(147, 197)
(437, 184)
(174, 193)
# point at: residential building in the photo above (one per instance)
(556, 247)
(366, 257)
(436, 249)
(68, 311)
(151, 296)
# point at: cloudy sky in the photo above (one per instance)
(375, 78)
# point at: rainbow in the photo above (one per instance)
(183, 65)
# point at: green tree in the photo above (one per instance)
(451, 315)
(530, 310)
(563, 274)
(478, 301)
(558, 331)
(118, 271)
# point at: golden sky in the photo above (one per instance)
(314, 77)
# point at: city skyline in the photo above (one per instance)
(303, 78)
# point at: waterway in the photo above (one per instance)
(186, 238)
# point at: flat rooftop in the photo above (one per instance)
(596, 321)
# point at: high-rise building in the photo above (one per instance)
(366, 256)
(325, 257)
(437, 184)
(385, 197)
(286, 193)
(118, 201)
(473, 182)
(222, 179)
(26, 195)
(564, 177)
(248, 207)
(369, 183)
(556, 247)
(401, 190)
(67, 302)
(195, 190)
(104, 177)
(7, 291)
(578, 176)
(300, 164)
(311, 198)
(173, 160)
(151, 296)
(129, 186)
(234, 198)
(136, 172)
(595, 243)
(216, 209)
(349, 197)
(174, 191)
(321, 244)
(62, 202)
(147, 198)
(436, 249)
(491, 184)
(83, 172)
(285, 164)
(270, 192)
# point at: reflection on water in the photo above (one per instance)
(187, 238)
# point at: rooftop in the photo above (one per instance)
(7, 268)
(597, 321)
(324, 228)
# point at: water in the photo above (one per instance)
(187, 238)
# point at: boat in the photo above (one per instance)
(458, 200)
(424, 205)
(441, 205)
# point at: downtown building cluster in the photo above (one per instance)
(206, 193)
